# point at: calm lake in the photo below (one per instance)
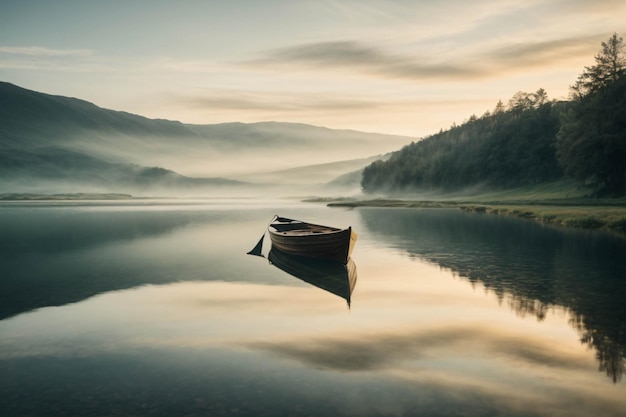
(153, 308)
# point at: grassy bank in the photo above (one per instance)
(588, 217)
(591, 215)
(561, 203)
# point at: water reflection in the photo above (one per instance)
(331, 276)
(216, 332)
(52, 257)
(335, 277)
(530, 267)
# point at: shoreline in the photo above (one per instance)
(588, 214)
(582, 213)
(64, 196)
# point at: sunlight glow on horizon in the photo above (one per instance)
(409, 68)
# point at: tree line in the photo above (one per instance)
(528, 141)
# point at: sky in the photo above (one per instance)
(400, 67)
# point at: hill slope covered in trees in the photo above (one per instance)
(530, 141)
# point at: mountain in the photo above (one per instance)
(317, 173)
(52, 137)
(57, 169)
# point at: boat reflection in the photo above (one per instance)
(332, 276)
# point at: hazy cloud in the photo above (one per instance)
(381, 62)
(596, 6)
(237, 100)
(45, 52)
(460, 65)
(353, 55)
(545, 52)
(38, 58)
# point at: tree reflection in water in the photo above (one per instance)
(530, 267)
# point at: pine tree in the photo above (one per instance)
(591, 143)
(610, 65)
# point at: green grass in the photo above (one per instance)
(587, 217)
(561, 203)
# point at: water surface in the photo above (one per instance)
(155, 309)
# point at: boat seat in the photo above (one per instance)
(285, 227)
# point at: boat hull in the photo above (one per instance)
(310, 240)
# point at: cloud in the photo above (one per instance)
(352, 55)
(586, 6)
(44, 52)
(366, 110)
(545, 53)
(275, 101)
(36, 58)
(277, 104)
(454, 65)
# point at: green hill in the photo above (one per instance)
(530, 141)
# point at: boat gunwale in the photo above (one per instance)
(308, 234)
(305, 230)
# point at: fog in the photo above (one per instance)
(55, 144)
(25, 188)
(97, 162)
(234, 157)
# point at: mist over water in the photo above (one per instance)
(154, 308)
(84, 148)
(54, 144)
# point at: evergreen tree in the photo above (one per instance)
(507, 148)
(531, 140)
(610, 66)
(591, 143)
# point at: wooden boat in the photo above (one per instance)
(335, 277)
(296, 237)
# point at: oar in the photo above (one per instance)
(258, 249)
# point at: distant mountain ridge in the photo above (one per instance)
(49, 165)
(48, 137)
(24, 111)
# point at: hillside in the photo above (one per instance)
(317, 173)
(502, 150)
(33, 122)
(53, 169)
(530, 141)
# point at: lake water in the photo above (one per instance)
(154, 309)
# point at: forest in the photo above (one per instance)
(527, 141)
